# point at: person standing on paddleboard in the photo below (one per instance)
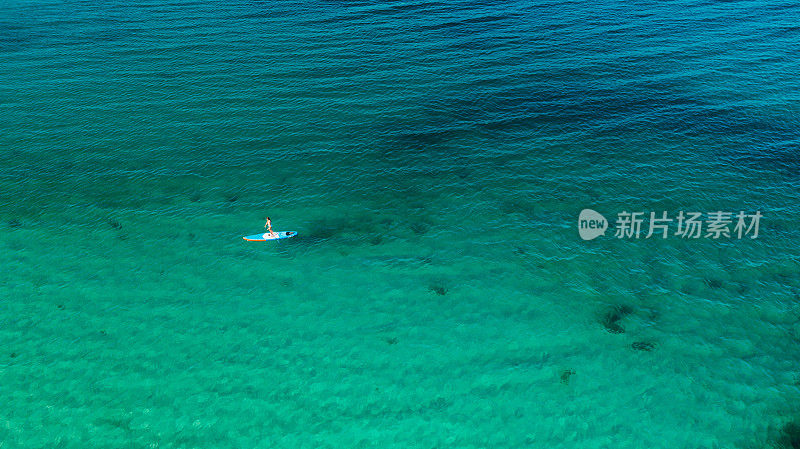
(268, 225)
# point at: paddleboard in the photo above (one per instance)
(265, 236)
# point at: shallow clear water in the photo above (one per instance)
(434, 157)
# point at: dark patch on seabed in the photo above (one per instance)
(361, 224)
(419, 228)
(438, 289)
(612, 317)
(782, 156)
(790, 435)
(643, 346)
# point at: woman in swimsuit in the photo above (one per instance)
(268, 225)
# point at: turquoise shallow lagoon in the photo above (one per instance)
(434, 157)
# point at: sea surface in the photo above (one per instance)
(434, 157)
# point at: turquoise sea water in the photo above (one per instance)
(434, 157)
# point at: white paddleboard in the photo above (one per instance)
(266, 236)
